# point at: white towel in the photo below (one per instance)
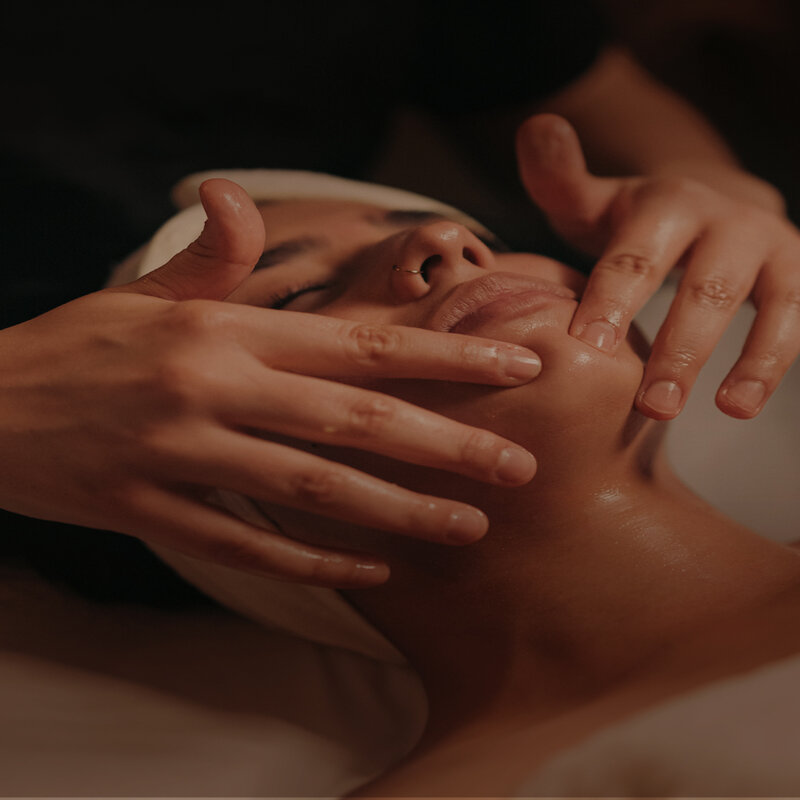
(310, 612)
(272, 184)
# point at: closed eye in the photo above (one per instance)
(283, 298)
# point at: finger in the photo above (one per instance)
(719, 276)
(771, 346)
(336, 348)
(553, 170)
(639, 256)
(286, 476)
(369, 420)
(202, 531)
(222, 256)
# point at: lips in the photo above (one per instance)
(512, 290)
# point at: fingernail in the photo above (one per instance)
(515, 465)
(747, 395)
(518, 367)
(599, 334)
(466, 525)
(663, 397)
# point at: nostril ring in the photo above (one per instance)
(397, 268)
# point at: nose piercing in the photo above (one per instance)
(397, 268)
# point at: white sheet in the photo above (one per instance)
(101, 701)
(737, 738)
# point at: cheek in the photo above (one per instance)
(580, 393)
(584, 387)
(369, 311)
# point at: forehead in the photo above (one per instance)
(288, 217)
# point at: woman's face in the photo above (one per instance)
(363, 263)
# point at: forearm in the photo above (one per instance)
(631, 124)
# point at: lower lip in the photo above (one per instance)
(508, 306)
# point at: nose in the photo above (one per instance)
(429, 253)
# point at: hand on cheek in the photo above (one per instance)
(641, 228)
(125, 409)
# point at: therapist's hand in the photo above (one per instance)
(121, 410)
(730, 244)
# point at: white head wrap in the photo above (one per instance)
(320, 615)
(273, 184)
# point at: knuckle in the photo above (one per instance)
(675, 188)
(189, 319)
(748, 219)
(479, 447)
(235, 552)
(113, 490)
(752, 221)
(128, 500)
(713, 292)
(632, 265)
(678, 185)
(177, 385)
(791, 300)
(127, 493)
(370, 416)
(368, 345)
(165, 446)
(769, 360)
(318, 487)
(467, 352)
(679, 359)
(428, 518)
(323, 571)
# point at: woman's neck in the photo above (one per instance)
(578, 584)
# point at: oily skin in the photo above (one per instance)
(182, 384)
(358, 259)
(725, 229)
(588, 572)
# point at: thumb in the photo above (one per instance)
(553, 170)
(221, 257)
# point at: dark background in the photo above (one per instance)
(736, 60)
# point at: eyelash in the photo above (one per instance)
(282, 298)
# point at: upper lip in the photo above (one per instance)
(468, 297)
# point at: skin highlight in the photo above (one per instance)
(604, 585)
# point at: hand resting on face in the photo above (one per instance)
(719, 224)
(123, 409)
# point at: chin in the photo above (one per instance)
(576, 379)
(581, 401)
